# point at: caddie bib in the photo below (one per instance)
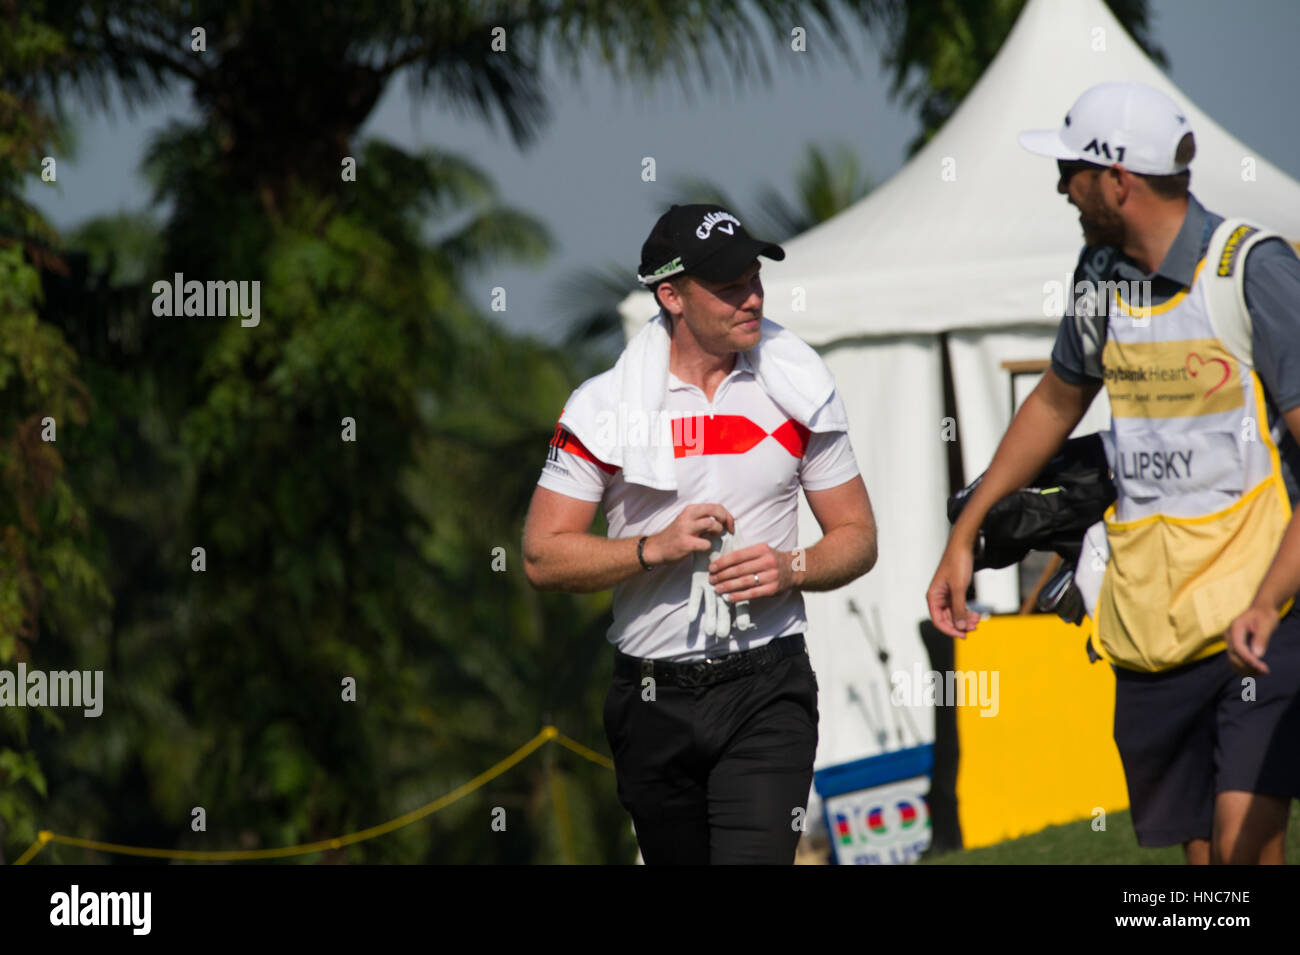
(1201, 505)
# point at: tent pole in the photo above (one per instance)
(956, 471)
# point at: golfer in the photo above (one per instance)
(1204, 557)
(695, 445)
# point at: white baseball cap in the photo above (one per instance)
(1131, 124)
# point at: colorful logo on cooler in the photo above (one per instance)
(901, 816)
(876, 820)
(907, 815)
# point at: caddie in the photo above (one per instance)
(1192, 324)
(695, 445)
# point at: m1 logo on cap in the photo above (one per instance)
(714, 218)
(1103, 149)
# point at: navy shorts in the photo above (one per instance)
(1185, 735)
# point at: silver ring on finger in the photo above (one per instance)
(756, 580)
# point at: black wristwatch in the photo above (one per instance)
(640, 552)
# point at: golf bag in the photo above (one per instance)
(1052, 514)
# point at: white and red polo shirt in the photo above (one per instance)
(741, 451)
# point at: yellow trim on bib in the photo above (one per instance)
(1200, 518)
(1164, 306)
(1261, 413)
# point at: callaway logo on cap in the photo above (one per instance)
(703, 240)
(1131, 124)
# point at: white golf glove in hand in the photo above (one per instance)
(717, 615)
(733, 542)
(717, 612)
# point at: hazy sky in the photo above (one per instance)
(583, 176)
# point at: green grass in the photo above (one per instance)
(1077, 844)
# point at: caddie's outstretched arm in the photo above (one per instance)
(1052, 410)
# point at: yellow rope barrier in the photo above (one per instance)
(547, 735)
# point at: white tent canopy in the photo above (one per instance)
(965, 235)
(963, 240)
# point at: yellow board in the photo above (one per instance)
(1047, 756)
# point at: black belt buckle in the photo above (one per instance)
(697, 673)
(714, 669)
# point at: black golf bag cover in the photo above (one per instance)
(1070, 495)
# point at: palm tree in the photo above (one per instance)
(287, 88)
(936, 50)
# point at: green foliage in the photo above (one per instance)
(286, 90)
(828, 180)
(938, 49)
(48, 585)
(27, 48)
(123, 248)
(328, 559)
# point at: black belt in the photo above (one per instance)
(708, 671)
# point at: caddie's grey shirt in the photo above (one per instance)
(1272, 281)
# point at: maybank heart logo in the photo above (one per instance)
(1195, 369)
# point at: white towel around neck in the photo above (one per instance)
(788, 369)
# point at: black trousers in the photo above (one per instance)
(717, 774)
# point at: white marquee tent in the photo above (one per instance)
(962, 241)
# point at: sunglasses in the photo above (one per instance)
(1068, 167)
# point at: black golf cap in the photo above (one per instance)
(702, 240)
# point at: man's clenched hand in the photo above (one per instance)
(748, 572)
(689, 533)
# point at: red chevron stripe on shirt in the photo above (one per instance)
(704, 434)
(732, 434)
